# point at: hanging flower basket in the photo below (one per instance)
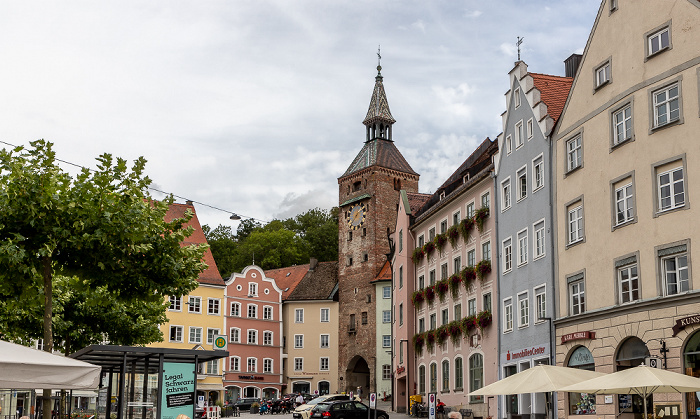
(468, 275)
(428, 248)
(483, 319)
(418, 255)
(480, 217)
(466, 227)
(440, 241)
(418, 342)
(468, 325)
(453, 234)
(429, 294)
(483, 268)
(455, 329)
(455, 282)
(417, 298)
(430, 337)
(442, 287)
(442, 334)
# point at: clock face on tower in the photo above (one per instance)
(357, 216)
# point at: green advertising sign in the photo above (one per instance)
(177, 391)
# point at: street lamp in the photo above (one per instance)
(235, 217)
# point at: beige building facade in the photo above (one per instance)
(626, 164)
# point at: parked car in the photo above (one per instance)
(244, 403)
(346, 409)
(302, 412)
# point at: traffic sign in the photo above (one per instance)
(220, 342)
(373, 400)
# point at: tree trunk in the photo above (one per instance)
(48, 329)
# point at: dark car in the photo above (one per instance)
(244, 403)
(346, 409)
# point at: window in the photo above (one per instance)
(443, 271)
(658, 41)
(602, 74)
(470, 210)
(445, 316)
(421, 282)
(432, 277)
(298, 341)
(671, 189)
(365, 257)
(509, 144)
(575, 223)
(487, 301)
(252, 311)
(351, 323)
(574, 153)
(401, 314)
(349, 236)
(433, 377)
(324, 364)
(667, 105)
(628, 283)
(456, 218)
(400, 241)
(486, 251)
(522, 247)
(471, 307)
(213, 306)
(195, 335)
(538, 228)
(471, 258)
(458, 312)
(519, 139)
(325, 315)
(577, 294)
(421, 379)
(537, 173)
(252, 365)
(386, 372)
(386, 292)
(386, 341)
(252, 289)
(445, 375)
(211, 367)
(236, 309)
(443, 226)
(486, 200)
(476, 376)
(298, 364)
(386, 316)
(252, 337)
(235, 363)
(524, 310)
(529, 128)
(622, 125)
(516, 97)
(325, 341)
(176, 333)
(195, 305)
(267, 313)
(235, 335)
(459, 371)
(624, 204)
(674, 268)
(421, 240)
(211, 333)
(457, 265)
(400, 277)
(507, 255)
(267, 338)
(267, 366)
(505, 194)
(421, 325)
(540, 303)
(507, 315)
(433, 321)
(522, 183)
(364, 317)
(431, 234)
(175, 303)
(299, 315)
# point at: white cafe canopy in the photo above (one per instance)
(538, 379)
(27, 368)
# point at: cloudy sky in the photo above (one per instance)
(256, 106)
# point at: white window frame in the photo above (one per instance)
(268, 364)
(471, 307)
(252, 309)
(654, 47)
(509, 144)
(252, 364)
(211, 333)
(522, 247)
(268, 337)
(577, 289)
(268, 313)
(574, 222)
(507, 251)
(298, 364)
(624, 204)
(622, 124)
(298, 315)
(254, 334)
(505, 194)
(530, 128)
(324, 364)
(671, 186)
(574, 152)
(603, 74)
(386, 341)
(538, 173)
(252, 289)
(237, 311)
(519, 137)
(676, 272)
(325, 341)
(299, 341)
(175, 303)
(471, 257)
(470, 210)
(235, 363)
(632, 282)
(198, 336)
(386, 316)
(508, 315)
(178, 338)
(516, 97)
(232, 336)
(386, 292)
(486, 250)
(325, 315)
(540, 293)
(667, 105)
(213, 306)
(195, 304)
(486, 200)
(520, 176)
(523, 310)
(539, 239)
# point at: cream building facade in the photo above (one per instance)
(626, 167)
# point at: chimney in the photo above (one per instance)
(312, 264)
(571, 64)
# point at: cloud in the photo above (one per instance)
(473, 13)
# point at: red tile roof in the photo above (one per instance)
(288, 278)
(384, 274)
(210, 275)
(417, 200)
(554, 90)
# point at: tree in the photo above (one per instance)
(93, 254)
(223, 246)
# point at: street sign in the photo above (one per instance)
(431, 406)
(373, 400)
(219, 342)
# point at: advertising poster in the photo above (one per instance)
(177, 395)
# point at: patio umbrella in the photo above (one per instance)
(641, 380)
(538, 379)
(27, 368)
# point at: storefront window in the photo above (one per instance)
(691, 365)
(581, 403)
(511, 399)
(631, 354)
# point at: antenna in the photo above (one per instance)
(517, 44)
(253, 258)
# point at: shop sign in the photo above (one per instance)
(250, 377)
(682, 323)
(178, 390)
(577, 336)
(399, 370)
(523, 353)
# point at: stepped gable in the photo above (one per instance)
(553, 91)
(288, 278)
(417, 200)
(321, 283)
(211, 274)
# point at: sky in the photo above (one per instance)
(255, 107)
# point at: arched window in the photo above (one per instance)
(445, 375)
(433, 378)
(421, 379)
(631, 354)
(459, 374)
(581, 403)
(691, 364)
(476, 376)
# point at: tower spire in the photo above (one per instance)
(379, 120)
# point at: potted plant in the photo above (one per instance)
(468, 275)
(429, 294)
(430, 339)
(466, 227)
(483, 319)
(483, 268)
(428, 248)
(480, 217)
(453, 234)
(455, 329)
(417, 298)
(440, 241)
(442, 287)
(418, 255)
(442, 333)
(455, 281)
(468, 324)
(418, 342)
(255, 407)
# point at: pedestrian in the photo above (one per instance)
(300, 399)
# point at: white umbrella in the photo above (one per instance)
(641, 380)
(538, 379)
(27, 368)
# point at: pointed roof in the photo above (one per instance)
(378, 105)
(379, 152)
(553, 91)
(384, 274)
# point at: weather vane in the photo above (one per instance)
(517, 44)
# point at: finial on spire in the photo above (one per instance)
(517, 44)
(379, 61)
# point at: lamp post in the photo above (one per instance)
(663, 351)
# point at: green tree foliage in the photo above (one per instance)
(87, 258)
(276, 244)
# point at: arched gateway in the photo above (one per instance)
(357, 375)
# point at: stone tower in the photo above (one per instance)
(368, 199)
